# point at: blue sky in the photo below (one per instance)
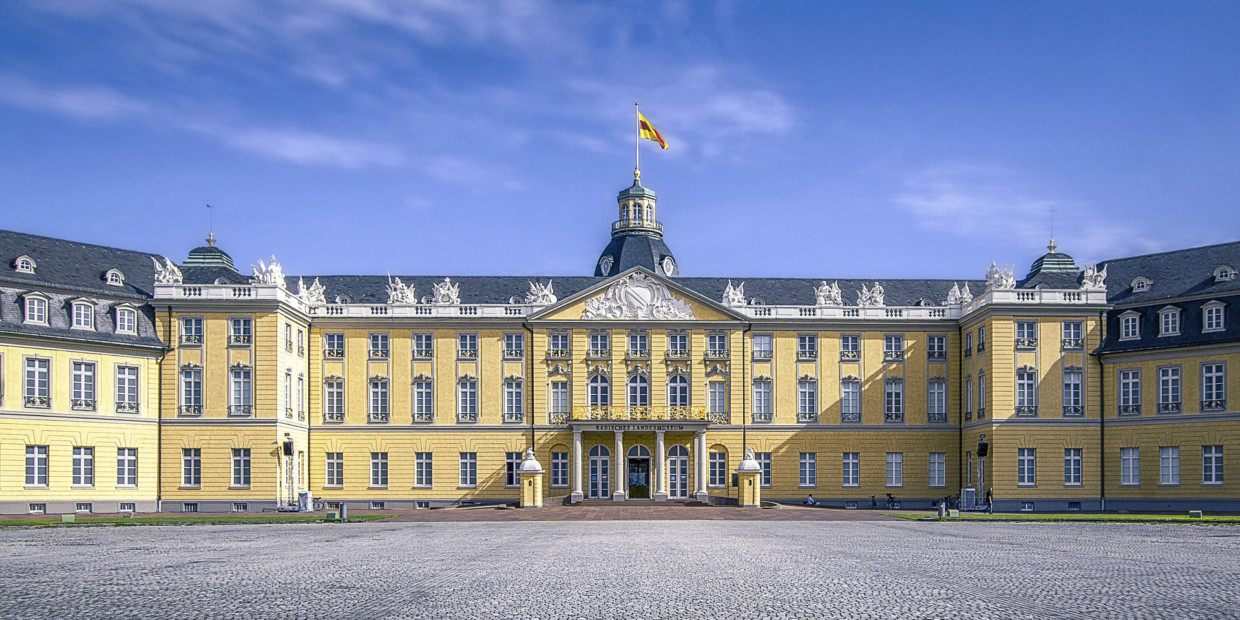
(815, 139)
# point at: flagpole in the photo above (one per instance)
(637, 141)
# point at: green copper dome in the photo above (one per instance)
(636, 189)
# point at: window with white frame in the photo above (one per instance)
(423, 400)
(808, 471)
(423, 469)
(24, 264)
(83, 466)
(82, 397)
(126, 467)
(333, 346)
(599, 392)
(467, 345)
(639, 344)
(936, 401)
(1072, 338)
(764, 459)
(559, 470)
(762, 347)
(1169, 322)
(301, 397)
(895, 469)
(126, 321)
(288, 337)
(600, 343)
(938, 469)
(301, 342)
(333, 400)
(893, 347)
(559, 344)
(558, 400)
(850, 347)
(379, 470)
(716, 345)
(981, 395)
(514, 400)
(241, 331)
(1212, 317)
(1026, 393)
(512, 469)
(36, 466)
(981, 338)
(1129, 326)
(379, 345)
(288, 392)
(191, 330)
(807, 400)
(1169, 389)
(1072, 467)
(1213, 387)
(514, 345)
(968, 398)
(423, 345)
(378, 411)
(762, 400)
(852, 469)
(716, 397)
(639, 391)
(1129, 392)
(718, 468)
(677, 391)
(936, 347)
(241, 467)
(36, 309)
(807, 346)
(467, 399)
(38, 386)
(1212, 464)
(191, 391)
(893, 400)
(850, 400)
(1130, 466)
(191, 467)
(968, 344)
(334, 476)
(469, 469)
(1026, 334)
(1169, 465)
(1026, 467)
(1072, 403)
(241, 392)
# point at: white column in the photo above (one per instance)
(577, 495)
(700, 460)
(618, 474)
(660, 452)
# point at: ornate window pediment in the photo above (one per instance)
(1027, 368)
(332, 378)
(558, 370)
(807, 377)
(514, 379)
(240, 366)
(421, 378)
(466, 378)
(762, 378)
(379, 378)
(637, 296)
(716, 369)
(850, 379)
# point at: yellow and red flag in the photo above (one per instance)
(648, 131)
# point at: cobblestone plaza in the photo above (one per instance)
(623, 569)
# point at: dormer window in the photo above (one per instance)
(114, 277)
(1129, 326)
(126, 320)
(24, 264)
(36, 309)
(1169, 321)
(83, 315)
(1224, 273)
(1212, 317)
(1141, 284)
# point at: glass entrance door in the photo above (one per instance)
(600, 473)
(639, 478)
(678, 473)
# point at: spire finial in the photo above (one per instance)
(637, 174)
(211, 239)
(1051, 246)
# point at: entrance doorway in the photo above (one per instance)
(678, 473)
(600, 473)
(639, 472)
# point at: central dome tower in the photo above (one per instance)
(637, 236)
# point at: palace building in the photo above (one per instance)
(133, 382)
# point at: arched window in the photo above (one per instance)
(678, 451)
(639, 452)
(678, 391)
(600, 450)
(639, 391)
(126, 321)
(600, 391)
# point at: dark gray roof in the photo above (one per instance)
(75, 265)
(210, 275)
(1175, 274)
(1190, 326)
(633, 249)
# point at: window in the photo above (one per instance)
(936, 347)
(333, 346)
(600, 343)
(241, 467)
(83, 379)
(83, 507)
(189, 507)
(809, 469)
(240, 331)
(127, 388)
(1212, 464)
(378, 469)
(38, 392)
(333, 400)
(762, 400)
(1213, 387)
(288, 337)
(83, 466)
(1212, 317)
(639, 391)
(1129, 391)
(1169, 322)
(600, 392)
(852, 469)
(378, 346)
(1169, 389)
(126, 467)
(191, 330)
(981, 338)
(850, 347)
(639, 344)
(240, 402)
(938, 469)
(301, 397)
(467, 400)
(764, 459)
(36, 466)
(850, 400)
(807, 400)
(24, 264)
(968, 344)
(1026, 506)
(36, 310)
(240, 507)
(677, 391)
(1026, 335)
(301, 342)
(191, 391)
(1026, 393)
(718, 467)
(469, 469)
(936, 401)
(512, 469)
(717, 397)
(716, 345)
(423, 400)
(1169, 465)
(1072, 467)
(514, 400)
(423, 345)
(981, 396)
(893, 347)
(895, 469)
(1130, 466)
(807, 346)
(893, 400)
(1129, 326)
(423, 469)
(968, 398)
(191, 467)
(559, 345)
(126, 321)
(288, 393)
(378, 399)
(762, 349)
(559, 470)
(1072, 338)
(1027, 467)
(514, 345)
(334, 476)
(1072, 393)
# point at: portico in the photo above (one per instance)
(639, 459)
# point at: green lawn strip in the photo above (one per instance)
(1076, 518)
(185, 520)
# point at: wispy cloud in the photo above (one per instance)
(308, 148)
(87, 103)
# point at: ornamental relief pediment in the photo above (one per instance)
(637, 296)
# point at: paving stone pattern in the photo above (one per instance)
(623, 569)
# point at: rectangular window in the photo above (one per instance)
(191, 467)
(512, 469)
(240, 507)
(850, 401)
(514, 401)
(1072, 393)
(1169, 465)
(38, 388)
(191, 330)
(718, 469)
(423, 400)
(241, 331)
(968, 344)
(850, 347)
(1169, 323)
(240, 401)
(335, 470)
(968, 398)
(639, 344)
(1072, 467)
(1026, 334)
(600, 343)
(36, 466)
(895, 469)
(1213, 388)
(559, 397)
(936, 347)
(1130, 466)
(599, 392)
(1129, 391)
(893, 347)
(1212, 464)
(1212, 318)
(981, 396)
(762, 401)
(423, 345)
(333, 400)
(809, 469)
(764, 459)
(852, 469)
(127, 388)
(333, 346)
(241, 467)
(1130, 327)
(469, 469)
(717, 397)
(1169, 389)
(514, 345)
(126, 321)
(717, 345)
(893, 401)
(83, 316)
(191, 391)
(559, 344)
(938, 469)
(559, 470)
(981, 338)
(379, 400)
(83, 395)
(807, 346)
(36, 310)
(423, 469)
(288, 337)
(83, 466)
(379, 346)
(126, 467)
(1027, 467)
(1072, 338)
(301, 342)
(807, 401)
(379, 469)
(762, 347)
(1026, 393)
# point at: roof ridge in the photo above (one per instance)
(81, 243)
(1166, 252)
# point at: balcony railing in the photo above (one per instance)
(514, 354)
(1130, 409)
(635, 224)
(807, 417)
(423, 417)
(939, 417)
(240, 409)
(126, 406)
(849, 356)
(422, 354)
(378, 417)
(301, 350)
(41, 402)
(763, 354)
(191, 339)
(1027, 410)
(1026, 343)
(639, 354)
(240, 339)
(333, 417)
(1073, 410)
(939, 355)
(1169, 407)
(190, 410)
(598, 354)
(1072, 343)
(850, 417)
(807, 354)
(639, 413)
(467, 417)
(513, 417)
(333, 353)
(716, 354)
(893, 416)
(378, 354)
(1213, 405)
(981, 413)
(677, 354)
(82, 404)
(762, 417)
(552, 354)
(893, 356)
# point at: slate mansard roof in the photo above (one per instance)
(1178, 273)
